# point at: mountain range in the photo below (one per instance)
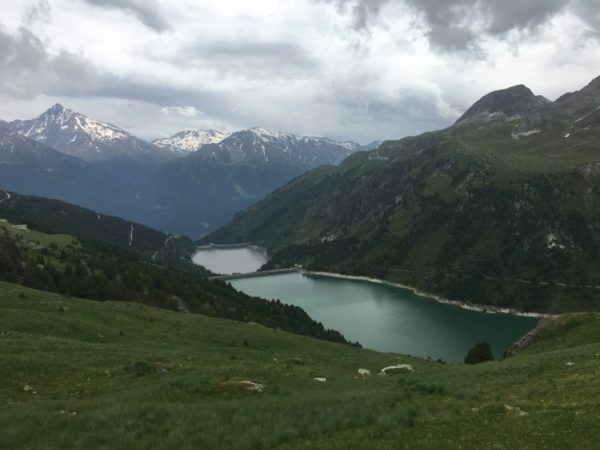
(501, 208)
(189, 184)
(85, 138)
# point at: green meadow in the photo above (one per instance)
(83, 374)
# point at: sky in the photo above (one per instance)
(348, 69)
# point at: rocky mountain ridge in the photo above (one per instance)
(77, 135)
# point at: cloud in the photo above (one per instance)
(459, 25)
(359, 69)
(589, 11)
(185, 111)
(363, 11)
(248, 57)
(147, 12)
(27, 69)
(38, 12)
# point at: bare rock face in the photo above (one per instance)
(545, 325)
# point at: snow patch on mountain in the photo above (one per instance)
(67, 120)
(190, 140)
(268, 134)
(74, 134)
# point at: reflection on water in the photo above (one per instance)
(390, 319)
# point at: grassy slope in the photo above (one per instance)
(76, 356)
(53, 216)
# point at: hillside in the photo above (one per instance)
(111, 375)
(501, 209)
(105, 269)
(56, 217)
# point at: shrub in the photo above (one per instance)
(479, 353)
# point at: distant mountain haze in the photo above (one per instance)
(190, 183)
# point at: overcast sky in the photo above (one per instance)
(348, 69)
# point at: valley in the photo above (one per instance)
(379, 316)
(109, 324)
(471, 213)
(307, 224)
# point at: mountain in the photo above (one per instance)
(203, 190)
(17, 150)
(512, 103)
(192, 193)
(88, 139)
(119, 187)
(70, 250)
(501, 208)
(260, 146)
(57, 217)
(190, 140)
(53, 216)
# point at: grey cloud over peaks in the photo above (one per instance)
(456, 25)
(148, 12)
(251, 57)
(589, 11)
(27, 70)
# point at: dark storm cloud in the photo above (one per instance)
(147, 12)
(589, 11)
(455, 25)
(28, 70)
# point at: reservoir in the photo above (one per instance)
(390, 319)
(380, 317)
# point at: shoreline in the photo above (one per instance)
(468, 306)
(419, 292)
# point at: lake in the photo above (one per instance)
(230, 260)
(380, 317)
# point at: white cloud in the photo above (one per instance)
(359, 69)
(185, 111)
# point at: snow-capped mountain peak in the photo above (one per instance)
(69, 120)
(267, 134)
(262, 146)
(190, 140)
(77, 135)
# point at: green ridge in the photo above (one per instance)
(476, 212)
